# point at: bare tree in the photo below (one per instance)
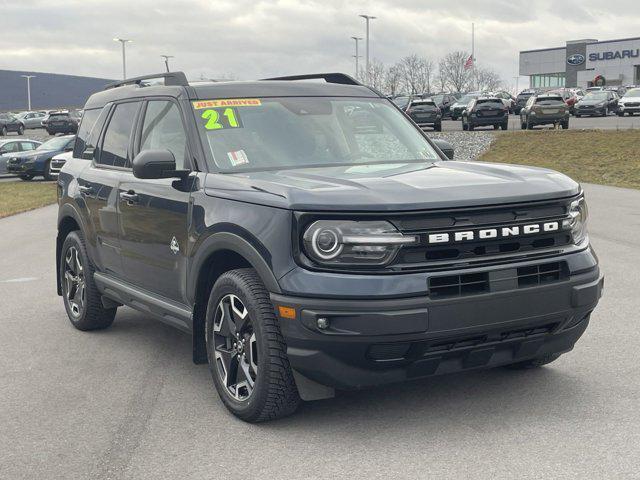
(393, 80)
(453, 73)
(488, 79)
(417, 73)
(377, 74)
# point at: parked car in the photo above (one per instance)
(620, 90)
(545, 109)
(58, 162)
(402, 101)
(630, 103)
(461, 104)
(426, 114)
(485, 111)
(522, 99)
(38, 162)
(508, 99)
(62, 122)
(568, 96)
(597, 103)
(302, 258)
(444, 102)
(13, 147)
(10, 123)
(31, 119)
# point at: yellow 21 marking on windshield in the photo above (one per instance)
(215, 122)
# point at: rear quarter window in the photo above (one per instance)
(88, 132)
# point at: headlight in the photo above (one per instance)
(346, 242)
(578, 213)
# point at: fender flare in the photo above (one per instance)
(66, 210)
(250, 250)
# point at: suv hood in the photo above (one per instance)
(392, 187)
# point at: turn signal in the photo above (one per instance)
(287, 312)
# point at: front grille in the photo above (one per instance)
(632, 105)
(479, 251)
(462, 285)
(412, 351)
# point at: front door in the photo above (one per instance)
(154, 214)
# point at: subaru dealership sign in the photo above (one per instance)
(614, 55)
(575, 59)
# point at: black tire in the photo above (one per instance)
(47, 171)
(4, 131)
(606, 112)
(529, 125)
(505, 126)
(21, 130)
(496, 126)
(91, 315)
(620, 114)
(273, 393)
(454, 118)
(535, 363)
(470, 126)
(437, 127)
(26, 178)
(565, 125)
(578, 115)
(465, 127)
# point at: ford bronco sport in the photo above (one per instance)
(311, 238)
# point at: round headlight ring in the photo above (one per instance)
(326, 243)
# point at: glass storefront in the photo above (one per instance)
(547, 80)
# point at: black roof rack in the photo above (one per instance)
(170, 78)
(341, 78)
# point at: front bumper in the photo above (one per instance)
(376, 341)
(629, 109)
(590, 110)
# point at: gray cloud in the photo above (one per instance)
(252, 39)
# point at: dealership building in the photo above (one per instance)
(579, 62)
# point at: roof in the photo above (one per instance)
(233, 89)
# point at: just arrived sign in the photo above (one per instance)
(618, 54)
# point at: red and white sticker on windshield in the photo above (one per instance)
(239, 157)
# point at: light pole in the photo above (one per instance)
(123, 41)
(367, 18)
(357, 55)
(28, 77)
(166, 60)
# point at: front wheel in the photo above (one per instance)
(505, 125)
(21, 130)
(26, 178)
(47, 171)
(82, 300)
(246, 351)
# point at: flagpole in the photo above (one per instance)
(473, 54)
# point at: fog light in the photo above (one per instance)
(323, 323)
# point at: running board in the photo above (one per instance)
(168, 311)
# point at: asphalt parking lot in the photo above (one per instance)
(129, 403)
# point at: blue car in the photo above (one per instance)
(38, 161)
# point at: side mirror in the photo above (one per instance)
(152, 164)
(445, 147)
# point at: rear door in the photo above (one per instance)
(154, 213)
(98, 183)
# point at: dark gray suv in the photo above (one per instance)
(310, 237)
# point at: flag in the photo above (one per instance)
(469, 63)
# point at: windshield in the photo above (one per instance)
(296, 132)
(596, 96)
(632, 93)
(549, 100)
(57, 143)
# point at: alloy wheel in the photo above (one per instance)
(74, 282)
(235, 348)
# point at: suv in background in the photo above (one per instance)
(10, 123)
(461, 104)
(305, 253)
(485, 111)
(545, 109)
(630, 103)
(62, 122)
(425, 113)
(522, 99)
(444, 102)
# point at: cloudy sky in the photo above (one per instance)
(252, 39)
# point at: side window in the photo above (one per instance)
(163, 130)
(86, 130)
(27, 146)
(9, 147)
(115, 145)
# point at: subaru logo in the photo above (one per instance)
(575, 59)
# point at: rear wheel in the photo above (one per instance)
(246, 351)
(505, 125)
(437, 127)
(529, 125)
(565, 125)
(535, 362)
(26, 178)
(82, 300)
(496, 126)
(620, 114)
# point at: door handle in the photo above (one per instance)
(130, 197)
(85, 190)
